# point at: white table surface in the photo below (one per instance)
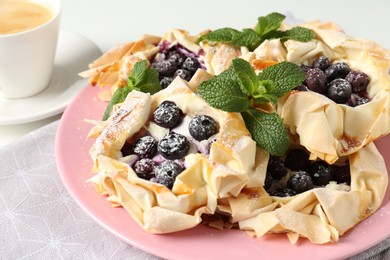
(109, 22)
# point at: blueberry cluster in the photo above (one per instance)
(302, 174)
(336, 81)
(172, 147)
(175, 61)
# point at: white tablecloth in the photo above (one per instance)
(39, 219)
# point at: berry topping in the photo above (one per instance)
(284, 192)
(191, 64)
(167, 172)
(339, 90)
(165, 67)
(184, 74)
(173, 146)
(305, 68)
(268, 181)
(145, 147)
(342, 174)
(361, 101)
(177, 58)
(320, 173)
(315, 80)
(167, 114)
(322, 63)
(337, 71)
(300, 181)
(201, 127)
(297, 159)
(144, 168)
(165, 82)
(276, 168)
(358, 80)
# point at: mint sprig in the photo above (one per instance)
(141, 78)
(267, 28)
(239, 89)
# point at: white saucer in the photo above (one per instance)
(74, 53)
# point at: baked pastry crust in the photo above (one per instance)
(230, 165)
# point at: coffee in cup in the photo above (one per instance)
(19, 16)
(28, 39)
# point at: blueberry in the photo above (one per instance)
(320, 172)
(297, 159)
(176, 57)
(165, 67)
(268, 181)
(305, 68)
(361, 101)
(184, 74)
(284, 192)
(201, 127)
(145, 147)
(302, 88)
(165, 82)
(337, 71)
(342, 174)
(173, 146)
(191, 64)
(276, 168)
(144, 168)
(167, 114)
(322, 63)
(315, 80)
(358, 80)
(339, 90)
(300, 181)
(167, 172)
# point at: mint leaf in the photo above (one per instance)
(248, 38)
(224, 92)
(268, 23)
(285, 75)
(266, 28)
(264, 93)
(297, 34)
(268, 131)
(225, 35)
(141, 78)
(138, 71)
(246, 76)
(149, 83)
(118, 97)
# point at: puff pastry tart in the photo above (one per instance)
(320, 208)
(342, 126)
(204, 155)
(113, 68)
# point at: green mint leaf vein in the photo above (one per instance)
(285, 75)
(268, 23)
(268, 131)
(247, 78)
(224, 92)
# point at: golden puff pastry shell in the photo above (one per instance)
(321, 214)
(340, 129)
(233, 160)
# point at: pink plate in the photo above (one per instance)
(202, 242)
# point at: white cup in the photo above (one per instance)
(27, 57)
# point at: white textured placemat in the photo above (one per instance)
(39, 219)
